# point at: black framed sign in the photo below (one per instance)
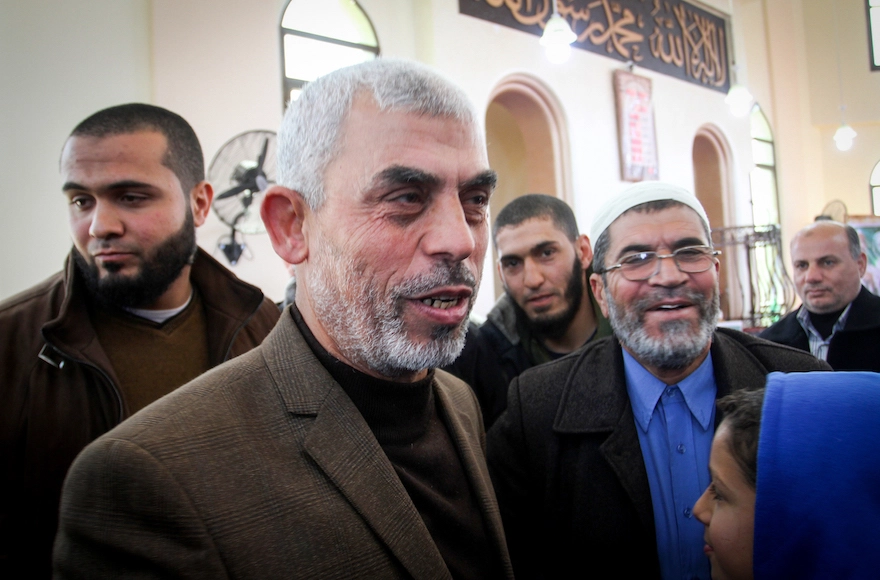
(671, 37)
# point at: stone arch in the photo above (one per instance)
(713, 185)
(527, 139)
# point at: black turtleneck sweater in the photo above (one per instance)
(408, 425)
(823, 323)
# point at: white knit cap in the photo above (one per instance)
(638, 194)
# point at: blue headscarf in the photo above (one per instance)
(817, 512)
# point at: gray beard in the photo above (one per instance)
(678, 345)
(368, 328)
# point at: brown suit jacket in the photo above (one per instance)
(261, 468)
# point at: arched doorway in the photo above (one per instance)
(528, 145)
(712, 184)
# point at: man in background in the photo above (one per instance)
(547, 309)
(137, 311)
(839, 319)
(334, 449)
(600, 456)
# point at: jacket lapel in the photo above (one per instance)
(462, 427)
(623, 452)
(865, 311)
(595, 401)
(344, 449)
(792, 333)
(735, 368)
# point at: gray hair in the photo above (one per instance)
(603, 244)
(855, 244)
(852, 235)
(309, 137)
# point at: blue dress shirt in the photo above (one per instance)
(675, 424)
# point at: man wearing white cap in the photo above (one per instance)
(601, 455)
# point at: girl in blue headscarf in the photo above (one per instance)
(795, 489)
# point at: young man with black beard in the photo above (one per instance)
(547, 309)
(600, 456)
(137, 311)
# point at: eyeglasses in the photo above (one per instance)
(643, 265)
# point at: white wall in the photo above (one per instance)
(60, 62)
(792, 56)
(217, 63)
(846, 174)
(584, 88)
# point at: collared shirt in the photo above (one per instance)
(675, 424)
(818, 345)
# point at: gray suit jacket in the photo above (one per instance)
(261, 468)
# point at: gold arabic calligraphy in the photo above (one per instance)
(681, 36)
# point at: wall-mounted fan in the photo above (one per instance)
(241, 171)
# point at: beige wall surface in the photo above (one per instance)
(799, 166)
(217, 63)
(847, 173)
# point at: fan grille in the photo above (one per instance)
(240, 182)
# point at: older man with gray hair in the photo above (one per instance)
(601, 455)
(334, 450)
(839, 320)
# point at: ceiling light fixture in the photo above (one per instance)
(739, 100)
(557, 38)
(844, 136)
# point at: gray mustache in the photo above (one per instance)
(442, 275)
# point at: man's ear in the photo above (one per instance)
(863, 264)
(584, 250)
(283, 212)
(598, 288)
(200, 198)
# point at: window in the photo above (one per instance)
(874, 32)
(321, 36)
(772, 294)
(875, 189)
(765, 201)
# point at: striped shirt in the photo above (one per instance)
(818, 345)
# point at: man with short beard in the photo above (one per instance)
(138, 311)
(334, 449)
(600, 457)
(547, 309)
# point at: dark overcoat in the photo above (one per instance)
(567, 465)
(856, 347)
